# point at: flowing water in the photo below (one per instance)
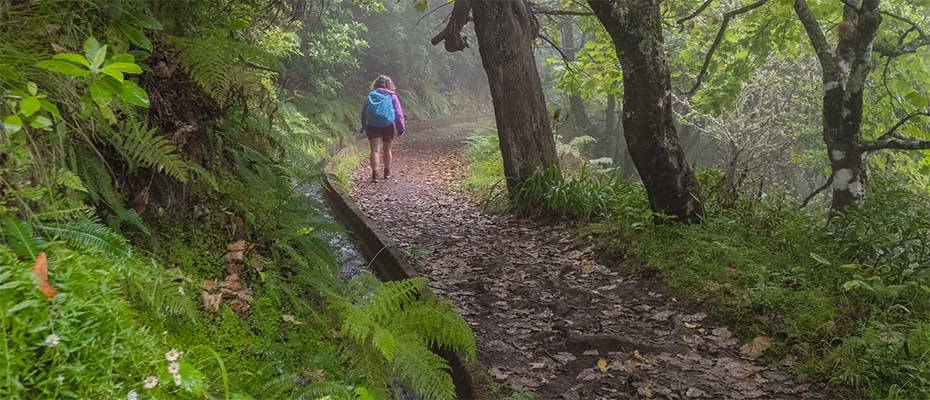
(351, 260)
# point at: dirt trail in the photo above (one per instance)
(547, 316)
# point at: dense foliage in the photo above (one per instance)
(157, 238)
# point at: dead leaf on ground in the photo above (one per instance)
(40, 269)
(498, 374)
(756, 347)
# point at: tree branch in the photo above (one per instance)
(814, 193)
(888, 50)
(681, 21)
(568, 61)
(452, 34)
(816, 36)
(896, 143)
(719, 39)
(543, 11)
(422, 17)
(892, 132)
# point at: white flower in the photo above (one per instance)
(132, 395)
(173, 355)
(150, 382)
(174, 368)
(52, 340)
(177, 379)
(60, 379)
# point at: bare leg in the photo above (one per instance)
(375, 144)
(386, 156)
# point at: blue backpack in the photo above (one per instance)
(380, 109)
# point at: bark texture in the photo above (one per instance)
(846, 68)
(636, 30)
(506, 30)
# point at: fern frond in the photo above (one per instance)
(143, 146)
(438, 323)
(392, 296)
(422, 371)
(216, 63)
(357, 323)
(319, 390)
(69, 180)
(89, 235)
(152, 288)
(384, 341)
(21, 238)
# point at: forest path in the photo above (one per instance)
(544, 311)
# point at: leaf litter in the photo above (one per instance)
(547, 315)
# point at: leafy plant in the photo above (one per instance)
(105, 75)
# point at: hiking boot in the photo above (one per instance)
(374, 177)
(387, 173)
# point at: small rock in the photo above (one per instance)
(498, 374)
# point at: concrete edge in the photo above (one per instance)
(386, 258)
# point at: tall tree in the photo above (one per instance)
(506, 30)
(846, 70)
(575, 103)
(636, 31)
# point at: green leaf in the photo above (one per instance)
(124, 67)
(191, 379)
(12, 123)
(135, 35)
(23, 305)
(113, 74)
(41, 122)
(134, 94)
(32, 88)
(123, 58)
(29, 106)
(20, 237)
(63, 67)
(150, 23)
(72, 58)
(820, 259)
(51, 108)
(100, 93)
(94, 52)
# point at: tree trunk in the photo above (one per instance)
(506, 30)
(636, 30)
(575, 104)
(845, 72)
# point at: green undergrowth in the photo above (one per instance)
(846, 303)
(345, 165)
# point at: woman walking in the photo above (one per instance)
(382, 121)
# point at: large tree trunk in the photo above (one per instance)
(636, 30)
(575, 104)
(505, 30)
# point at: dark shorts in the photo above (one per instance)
(385, 133)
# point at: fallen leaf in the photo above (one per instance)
(602, 365)
(645, 391)
(498, 374)
(590, 374)
(694, 393)
(756, 347)
(40, 269)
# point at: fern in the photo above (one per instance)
(143, 146)
(393, 296)
(216, 64)
(439, 324)
(153, 288)
(69, 180)
(89, 235)
(426, 373)
(21, 238)
(390, 321)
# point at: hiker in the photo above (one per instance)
(382, 121)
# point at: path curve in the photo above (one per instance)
(544, 311)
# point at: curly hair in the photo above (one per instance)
(383, 82)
